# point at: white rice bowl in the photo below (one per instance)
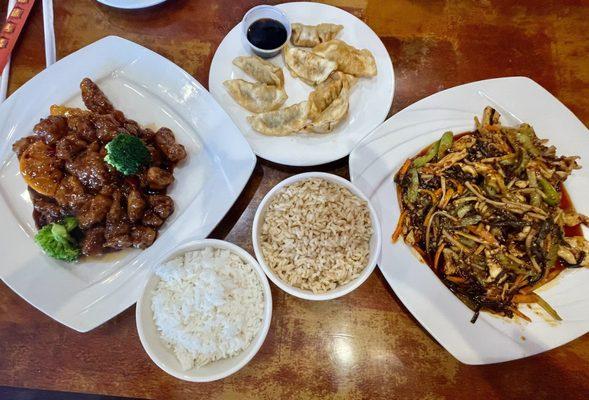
(208, 305)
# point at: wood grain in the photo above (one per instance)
(365, 345)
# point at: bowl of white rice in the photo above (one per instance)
(205, 311)
(316, 236)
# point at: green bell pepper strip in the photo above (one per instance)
(525, 135)
(445, 144)
(427, 157)
(552, 196)
(414, 186)
(524, 161)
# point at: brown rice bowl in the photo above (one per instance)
(340, 290)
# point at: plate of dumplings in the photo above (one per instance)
(330, 86)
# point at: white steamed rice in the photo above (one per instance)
(208, 305)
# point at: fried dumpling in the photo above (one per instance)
(309, 67)
(281, 122)
(329, 103)
(348, 58)
(338, 75)
(256, 97)
(312, 35)
(261, 70)
(331, 116)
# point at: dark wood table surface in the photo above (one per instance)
(365, 345)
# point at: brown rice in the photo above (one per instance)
(315, 235)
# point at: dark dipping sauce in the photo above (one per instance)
(266, 34)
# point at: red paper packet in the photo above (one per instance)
(12, 28)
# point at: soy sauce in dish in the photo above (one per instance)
(266, 34)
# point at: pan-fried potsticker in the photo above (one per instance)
(256, 97)
(312, 35)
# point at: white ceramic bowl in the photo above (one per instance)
(375, 243)
(259, 12)
(165, 358)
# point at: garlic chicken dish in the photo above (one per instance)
(487, 210)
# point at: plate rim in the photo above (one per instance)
(124, 6)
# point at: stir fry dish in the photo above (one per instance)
(488, 212)
(97, 180)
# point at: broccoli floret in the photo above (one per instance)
(127, 153)
(56, 241)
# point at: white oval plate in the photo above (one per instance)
(372, 165)
(370, 100)
(83, 295)
(130, 4)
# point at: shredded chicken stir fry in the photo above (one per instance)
(484, 210)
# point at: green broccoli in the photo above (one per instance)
(56, 241)
(127, 153)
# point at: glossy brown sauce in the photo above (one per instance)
(567, 205)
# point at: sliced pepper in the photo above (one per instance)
(505, 262)
(523, 163)
(552, 256)
(552, 197)
(427, 157)
(413, 186)
(445, 144)
(525, 135)
(472, 220)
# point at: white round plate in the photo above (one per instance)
(130, 4)
(370, 100)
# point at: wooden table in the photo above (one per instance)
(365, 345)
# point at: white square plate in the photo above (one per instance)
(154, 92)
(370, 99)
(372, 166)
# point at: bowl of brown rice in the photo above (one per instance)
(316, 236)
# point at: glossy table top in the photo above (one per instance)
(365, 345)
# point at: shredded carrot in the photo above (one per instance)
(525, 298)
(482, 233)
(521, 315)
(399, 227)
(438, 254)
(457, 185)
(404, 168)
(428, 217)
(520, 280)
(437, 195)
(421, 253)
(446, 200)
(526, 290)
(456, 279)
